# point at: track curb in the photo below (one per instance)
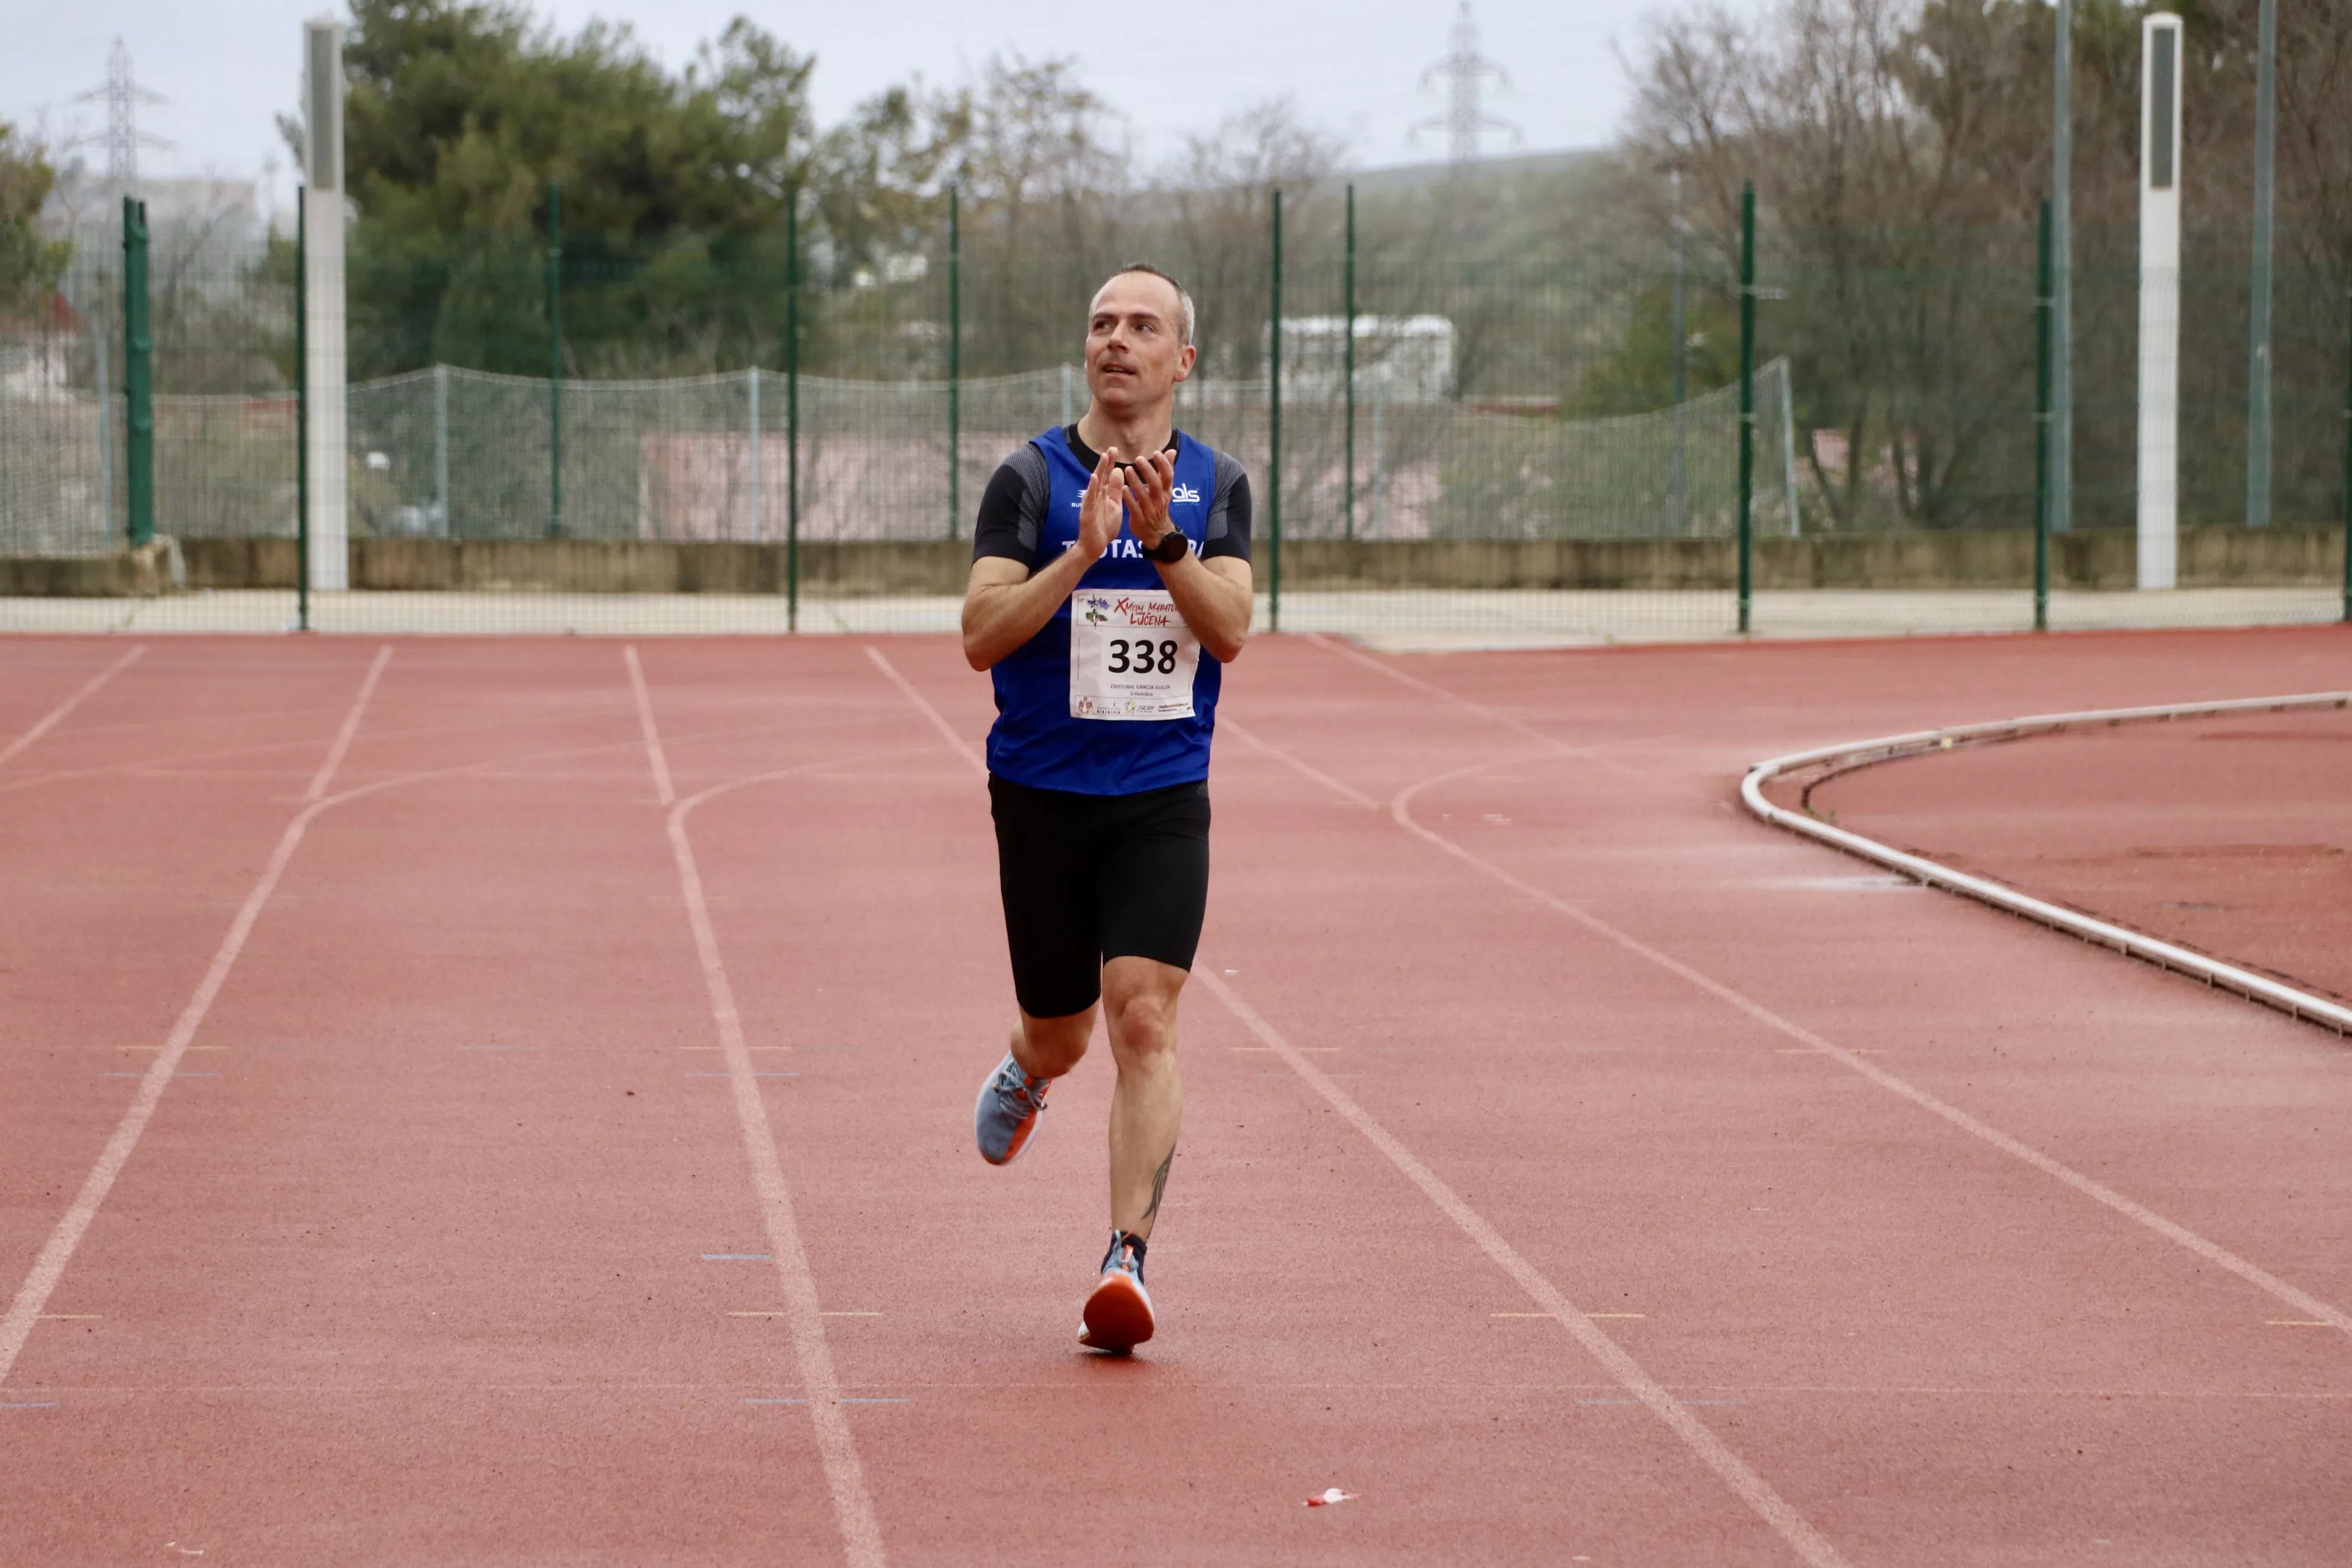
(1849, 755)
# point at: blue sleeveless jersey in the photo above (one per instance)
(1034, 741)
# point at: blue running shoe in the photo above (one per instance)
(1117, 1316)
(1006, 1113)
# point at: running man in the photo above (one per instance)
(1110, 586)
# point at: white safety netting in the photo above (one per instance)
(464, 454)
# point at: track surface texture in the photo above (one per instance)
(504, 1102)
(2229, 835)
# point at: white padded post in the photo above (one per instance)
(328, 436)
(2159, 300)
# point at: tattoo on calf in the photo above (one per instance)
(1159, 1185)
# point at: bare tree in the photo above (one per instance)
(1045, 184)
(1213, 203)
(1891, 148)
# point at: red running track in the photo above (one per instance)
(2231, 834)
(577, 1074)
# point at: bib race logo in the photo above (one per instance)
(1141, 612)
(1095, 616)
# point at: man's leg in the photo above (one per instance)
(1050, 931)
(1013, 1096)
(1147, 1105)
(1048, 1047)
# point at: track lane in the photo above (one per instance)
(1618, 856)
(476, 1250)
(1456, 1314)
(1313, 1338)
(115, 907)
(17, 744)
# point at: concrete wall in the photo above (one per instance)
(2210, 557)
(154, 568)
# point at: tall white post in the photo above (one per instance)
(2159, 300)
(328, 437)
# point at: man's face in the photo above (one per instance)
(1135, 349)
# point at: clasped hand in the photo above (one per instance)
(1141, 490)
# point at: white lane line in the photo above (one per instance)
(1400, 810)
(185, 760)
(853, 1507)
(1808, 1542)
(1346, 791)
(1751, 1488)
(50, 1266)
(653, 753)
(1597, 753)
(956, 742)
(56, 715)
(319, 781)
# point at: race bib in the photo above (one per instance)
(1132, 654)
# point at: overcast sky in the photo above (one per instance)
(1354, 66)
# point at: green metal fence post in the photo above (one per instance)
(1274, 434)
(955, 357)
(1747, 402)
(301, 408)
(138, 377)
(554, 359)
(1350, 329)
(792, 410)
(2347, 477)
(2044, 309)
(2259, 348)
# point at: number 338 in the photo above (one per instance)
(1141, 656)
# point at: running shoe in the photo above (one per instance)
(1006, 1112)
(1117, 1316)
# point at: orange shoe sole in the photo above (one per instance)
(1118, 1315)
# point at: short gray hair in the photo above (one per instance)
(1183, 299)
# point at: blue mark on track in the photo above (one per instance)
(36, 1404)
(738, 1256)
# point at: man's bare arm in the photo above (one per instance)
(1006, 604)
(1212, 595)
(1215, 599)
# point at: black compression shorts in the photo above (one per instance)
(1088, 878)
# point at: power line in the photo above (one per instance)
(1465, 71)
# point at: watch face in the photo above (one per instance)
(1172, 549)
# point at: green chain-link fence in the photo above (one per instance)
(1510, 463)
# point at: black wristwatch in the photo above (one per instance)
(1172, 549)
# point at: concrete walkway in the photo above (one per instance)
(1402, 621)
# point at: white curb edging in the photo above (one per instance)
(2163, 954)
